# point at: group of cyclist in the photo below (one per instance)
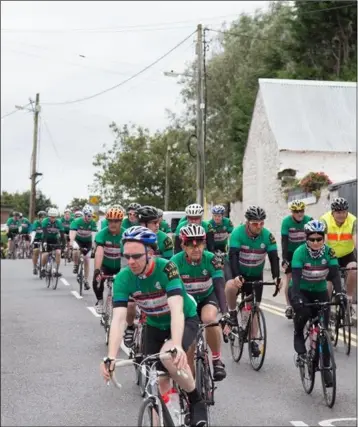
(180, 284)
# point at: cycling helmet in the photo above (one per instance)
(78, 214)
(41, 214)
(139, 234)
(315, 226)
(115, 213)
(87, 210)
(147, 213)
(297, 205)
(160, 213)
(52, 212)
(133, 207)
(194, 210)
(192, 232)
(15, 213)
(21, 215)
(117, 206)
(255, 213)
(218, 210)
(339, 204)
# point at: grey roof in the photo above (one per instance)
(310, 115)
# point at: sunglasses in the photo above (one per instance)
(114, 221)
(315, 239)
(195, 243)
(257, 223)
(300, 211)
(191, 218)
(134, 256)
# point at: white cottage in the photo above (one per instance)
(308, 126)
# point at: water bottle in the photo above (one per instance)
(313, 337)
(171, 399)
(245, 314)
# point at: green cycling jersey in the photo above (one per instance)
(84, 229)
(295, 231)
(221, 233)
(111, 244)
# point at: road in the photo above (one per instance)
(52, 345)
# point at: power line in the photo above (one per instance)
(126, 80)
(15, 111)
(51, 138)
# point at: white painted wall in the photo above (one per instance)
(338, 166)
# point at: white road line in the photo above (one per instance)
(64, 281)
(93, 311)
(329, 423)
(274, 307)
(76, 294)
(299, 424)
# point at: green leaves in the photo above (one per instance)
(21, 201)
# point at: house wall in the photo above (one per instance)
(338, 166)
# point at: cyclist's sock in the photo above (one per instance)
(216, 355)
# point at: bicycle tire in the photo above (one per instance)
(261, 320)
(80, 277)
(55, 281)
(330, 402)
(200, 383)
(337, 322)
(48, 272)
(347, 333)
(237, 340)
(311, 369)
(151, 405)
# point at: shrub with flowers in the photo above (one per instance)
(314, 181)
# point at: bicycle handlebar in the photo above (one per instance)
(260, 282)
(347, 268)
(320, 304)
(152, 359)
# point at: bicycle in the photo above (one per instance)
(137, 351)
(80, 274)
(341, 316)
(313, 360)
(50, 271)
(240, 333)
(13, 246)
(154, 403)
(107, 313)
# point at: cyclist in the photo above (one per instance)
(82, 233)
(194, 215)
(312, 264)
(25, 229)
(107, 259)
(163, 225)
(249, 245)
(172, 321)
(202, 274)
(52, 238)
(148, 217)
(132, 217)
(13, 226)
(36, 238)
(77, 214)
(292, 236)
(66, 223)
(341, 235)
(104, 222)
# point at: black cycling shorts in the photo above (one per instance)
(346, 259)
(210, 299)
(48, 246)
(12, 234)
(84, 245)
(155, 338)
(37, 243)
(247, 289)
(26, 237)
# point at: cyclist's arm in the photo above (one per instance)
(354, 233)
(118, 326)
(273, 257)
(177, 245)
(335, 278)
(284, 246)
(216, 270)
(234, 258)
(296, 279)
(175, 303)
(73, 231)
(98, 258)
(210, 243)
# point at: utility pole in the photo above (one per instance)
(200, 171)
(167, 172)
(34, 174)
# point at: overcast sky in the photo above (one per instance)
(41, 44)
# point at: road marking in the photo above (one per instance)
(328, 423)
(299, 424)
(76, 294)
(64, 281)
(274, 307)
(278, 313)
(94, 312)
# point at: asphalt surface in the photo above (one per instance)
(52, 345)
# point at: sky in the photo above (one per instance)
(69, 50)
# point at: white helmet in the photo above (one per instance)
(67, 210)
(192, 232)
(78, 214)
(194, 210)
(87, 210)
(52, 212)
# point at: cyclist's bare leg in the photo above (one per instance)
(58, 257)
(208, 315)
(76, 256)
(287, 279)
(44, 259)
(35, 256)
(86, 268)
(231, 290)
(351, 281)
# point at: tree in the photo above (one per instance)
(77, 203)
(134, 168)
(21, 201)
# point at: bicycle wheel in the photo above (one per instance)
(335, 323)
(237, 340)
(329, 392)
(201, 382)
(261, 341)
(346, 326)
(108, 311)
(150, 408)
(307, 367)
(48, 272)
(55, 279)
(80, 277)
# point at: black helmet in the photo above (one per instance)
(255, 213)
(133, 207)
(147, 213)
(40, 214)
(339, 204)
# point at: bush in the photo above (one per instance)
(314, 181)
